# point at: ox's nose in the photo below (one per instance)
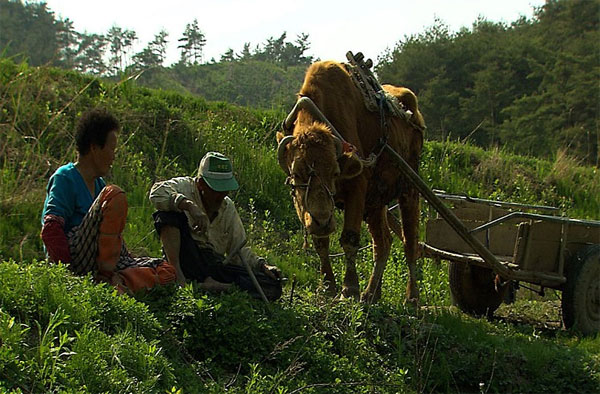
(319, 224)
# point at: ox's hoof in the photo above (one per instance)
(331, 291)
(412, 303)
(350, 292)
(370, 298)
(328, 289)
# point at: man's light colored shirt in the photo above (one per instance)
(223, 234)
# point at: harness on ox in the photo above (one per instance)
(376, 99)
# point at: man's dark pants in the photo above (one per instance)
(199, 263)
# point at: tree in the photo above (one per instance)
(154, 54)
(274, 48)
(292, 55)
(192, 44)
(228, 56)
(28, 31)
(68, 40)
(158, 46)
(90, 54)
(280, 51)
(245, 54)
(531, 86)
(120, 43)
(303, 43)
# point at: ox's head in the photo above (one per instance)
(313, 160)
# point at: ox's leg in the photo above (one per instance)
(382, 241)
(350, 241)
(321, 245)
(354, 206)
(409, 207)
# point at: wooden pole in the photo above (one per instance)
(236, 251)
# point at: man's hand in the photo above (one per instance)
(199, 221)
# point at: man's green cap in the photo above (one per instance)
(217, 172)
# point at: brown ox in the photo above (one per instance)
(321, 176)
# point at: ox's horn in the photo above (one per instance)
(307, 104)
(281, 150)
(291, 118)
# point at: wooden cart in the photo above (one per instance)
(546, 250)
(491, 243)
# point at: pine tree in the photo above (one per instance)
(68, 40)
(90, 54)
(120, 43)
(245, 54)
(192, 44)
(154, 54)
(159, 46)
(28, 31)
(228, 56)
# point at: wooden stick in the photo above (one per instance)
(250, 272)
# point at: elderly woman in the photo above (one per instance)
(83, 218)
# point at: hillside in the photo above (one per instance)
(62, 333)
(529, 86)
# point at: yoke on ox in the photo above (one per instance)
(323, 173)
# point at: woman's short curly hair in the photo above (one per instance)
(93, 128)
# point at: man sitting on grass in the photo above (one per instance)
(198, 224)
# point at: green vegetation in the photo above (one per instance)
(500, 175)
(63, 333)
(263, 76)
(29, 30)
(245, 82)
(531, 87)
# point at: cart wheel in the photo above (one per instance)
(473, 289)
(581, 295)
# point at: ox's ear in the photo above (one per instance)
(279, 136)
(350, 165)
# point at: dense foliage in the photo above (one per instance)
(531, 87)
(61, 333)
(245, 82)
(265, 76)
(29, 31)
